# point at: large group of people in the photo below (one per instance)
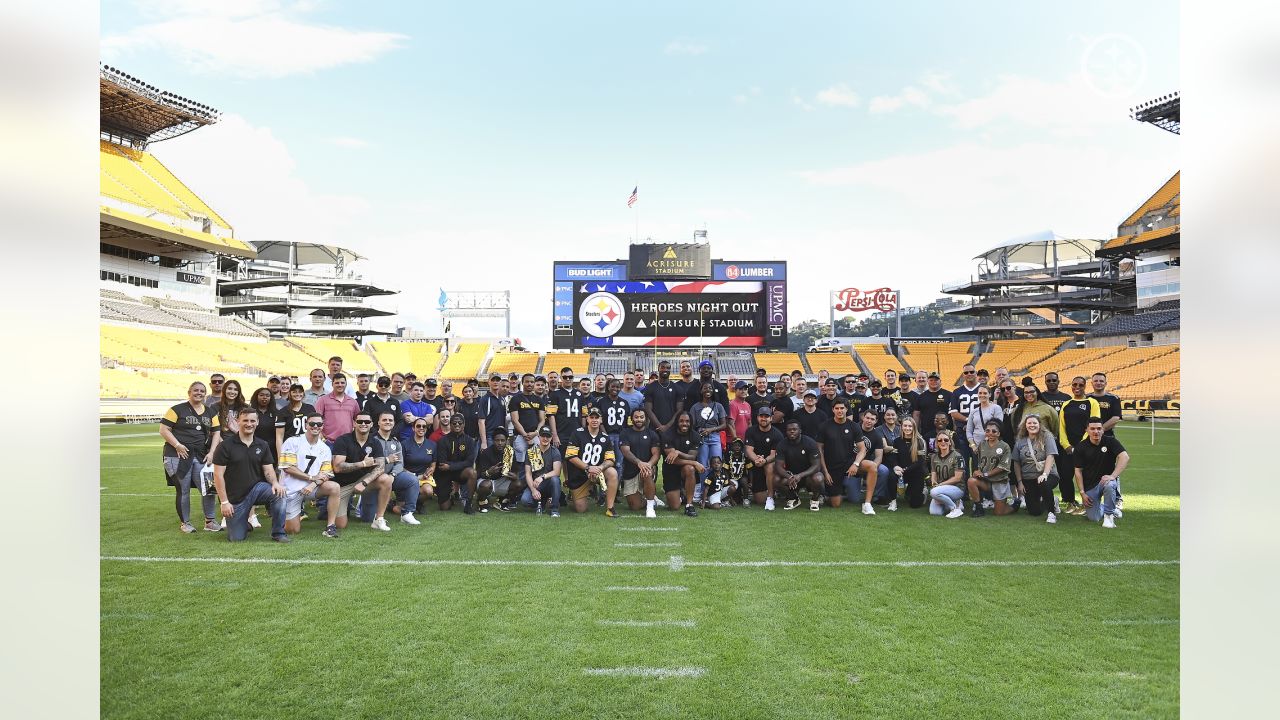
(386, 446)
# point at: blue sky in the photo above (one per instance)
(510, 134)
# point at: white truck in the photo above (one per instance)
(831, 345)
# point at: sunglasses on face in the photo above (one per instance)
(364, 422)
(968, 372)
(315, 424)
(419, 427)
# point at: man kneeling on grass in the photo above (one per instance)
(993, 460)
(591, 462)
(244, 477)
(358, 458)
(542, 474)
(798, 463)
(1099, 460)
(499, 474)
(640, 450)
(306, 467)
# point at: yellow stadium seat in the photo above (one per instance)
(775, 364)
(877, 359)
(464, 362)
(578, 361)
(517, 362)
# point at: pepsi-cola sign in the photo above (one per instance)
(855, 300)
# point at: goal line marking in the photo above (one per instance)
(648, 672)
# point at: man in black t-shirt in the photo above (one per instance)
(455, 465)
(1110, 406)
(935, 399)
(838, 442)
(528, 413)
(811, 419)
(662, 402)
(358, 466)
(244, 476)
(680, 466)
(781, 403)
(382, 401)
(877, 402)
(693, 394)
(614, 411)
(1052, 395)
(827, 397)
(641, 448)
(363, 392)
(762, 442)
(798, 464)
(1099, 460)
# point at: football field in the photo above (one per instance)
(737, 613)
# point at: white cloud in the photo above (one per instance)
(249, 177)
(910, 95)
(682, 47)
(351, 143)
(247, 38)
(839, 95)
(800, 103)
(1069, 107)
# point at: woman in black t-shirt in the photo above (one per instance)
(265, 404)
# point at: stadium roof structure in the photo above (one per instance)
(1041, 249)
(135, 113)
(299, 253)
(1165, 112)
(1155, 225)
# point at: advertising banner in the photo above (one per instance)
(855, 300)
(662, 261)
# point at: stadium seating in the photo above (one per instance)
(141, 347)
(877, 359)
(743, 365)
(609, 364)
(517, 362)
(944, 358)
(465, 361)
(1145, 322)
(578, 361)
(775, 364)
(420, 358)
(1018, 355)
(354, 360)
(137, 177)
(167, 180)
(836, 363)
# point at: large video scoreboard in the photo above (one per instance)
(669, 296)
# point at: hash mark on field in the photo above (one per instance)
(677, 563)
(652, 588)
(646, 545)
(649, 672)
(1142, 621)
(649, 529)
(648, 623)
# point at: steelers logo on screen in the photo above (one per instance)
(601, 314)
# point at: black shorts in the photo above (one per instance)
(445, 480)
(839, 472)
(758, 483)
(672, 480)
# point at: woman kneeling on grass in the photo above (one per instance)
(946, 477)
(911, 461)
(992, 461)
(1035, 467)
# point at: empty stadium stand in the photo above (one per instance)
(877, 359)
(1018, 355)
(465, 361)
(421, 358)
(946, 359)
(609, 364)
(354, 360)
(775, 364)
(837, 363)
(742, 365)
(517, 362)
(578, 361)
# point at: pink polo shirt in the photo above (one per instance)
(339, 414)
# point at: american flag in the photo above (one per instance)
(632, 200)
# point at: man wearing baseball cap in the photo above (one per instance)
(694, 394)
(809, 417)
(762, 443)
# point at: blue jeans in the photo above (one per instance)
(709, 448)
(550, 489)
(404, 486)
(855, 489)
(1102, 499)
(519, 448)
(260, 494)
(945, 498)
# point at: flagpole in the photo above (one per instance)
(636, 207)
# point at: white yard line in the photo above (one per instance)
(649, 529)
(647, 545)
(651, 588)
(1142, 621)
(167, 495)
(648, 623)
(129, 435)
(675, 563)
(648, 672)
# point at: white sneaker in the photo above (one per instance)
(1119, 514)
(768, 503)
(659, 502)
(814, 505)
(1119, 506)
(893, 505)
(1108, 522)
(1052, 519)
(791, 504)
(867, 509)
(253, 520)
(988, 504)
(409, 519)
(649, 512)
(380, 524)
(957, 511)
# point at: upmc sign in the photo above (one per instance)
(855, 300)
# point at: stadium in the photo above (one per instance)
(856, 621)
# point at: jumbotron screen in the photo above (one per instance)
(742, 304)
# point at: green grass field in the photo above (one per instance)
(734, 613)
